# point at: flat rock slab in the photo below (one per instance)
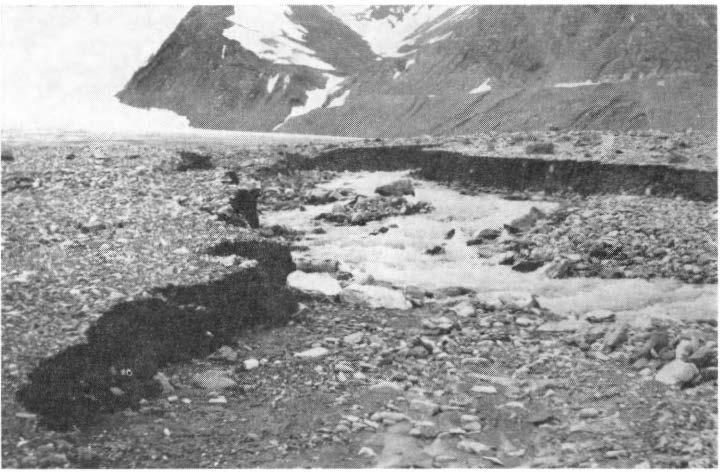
(315, 284)
(374, 296)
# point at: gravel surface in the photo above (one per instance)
(456, 381)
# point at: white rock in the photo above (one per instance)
(367, 452)
(312, 353)
(676, 372)
(218, 400)
(353, 338)
(486, 389)
(251, 364)
(374, 296)
(316, 284)
(685, 349)
(464, 309)
(213, 380)
(524, 321)
(473, 447)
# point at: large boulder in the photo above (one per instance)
(244, 202)
(317, 284)
(396, 189)
(677, 372)
(374, 296)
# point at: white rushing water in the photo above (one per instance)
(397, 256)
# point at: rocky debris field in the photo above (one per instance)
(610, 237)
(364, 374)
(689, 149)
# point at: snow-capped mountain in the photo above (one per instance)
(419, 69)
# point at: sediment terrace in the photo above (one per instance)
(524, 174)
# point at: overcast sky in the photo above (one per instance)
(62, 65)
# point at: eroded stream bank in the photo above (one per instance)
(543, 173)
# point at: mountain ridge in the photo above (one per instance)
(459, 70)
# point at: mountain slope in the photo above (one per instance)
(409, 70)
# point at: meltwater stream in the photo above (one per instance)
(398, 255)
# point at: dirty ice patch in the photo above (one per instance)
(269, 32)
(386, 36)
(398, 255)
(482, 88)
(271, 83)
(576, 84)
(339, 101)
(315, 98)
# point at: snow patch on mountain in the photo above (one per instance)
(397, 74)
(439, 38)
(339, 101)
(316, 98)
(482, 88)
(269, 32)
(450, 16)
(271, 83)
(387, 35)
(576, 84)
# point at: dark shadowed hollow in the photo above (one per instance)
(139, 337)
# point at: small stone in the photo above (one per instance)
(225, 353)
(366, 452)
(386, 385)
(425, 406)
(354, 338)
(218, 400)
(616, 336)
(464, 309)
(599, 316)
(398, 188)
(589, 413)
(164, 382)
(344, 366)
(705, 356)
(389, 417)
(374, 296)
(473, 426)
(118, 392)
(313, 353)
(473, 447)
(424, 429)
(686, 348)
(484, 389)
(469, 418)
(250, 364)
(524, 321)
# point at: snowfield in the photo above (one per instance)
(576, 84)
(269, 32)
(482, 88)
(315, 98)
(388, 35)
